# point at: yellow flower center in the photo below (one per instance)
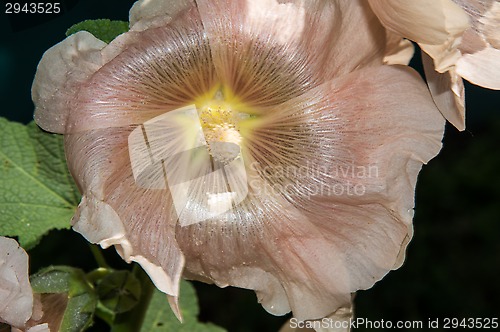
(220, 123)
(220, 120)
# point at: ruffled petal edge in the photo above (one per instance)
(62, 68)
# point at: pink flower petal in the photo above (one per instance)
(305, 249)
(319, 97)
(147, 78)
(115, 211)
(299, 39)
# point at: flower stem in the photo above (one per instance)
(98, 256)
(131, 321)
(97, 274)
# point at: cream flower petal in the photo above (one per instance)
(480, 45)
(490, 23)
(399, 51)
(424, 21)
(481, 68)
(62, 68)
(447, 90)
(458, 49)
(147, 14)
(437, 26)
(315, 250)
(16, 295)
(304, 31)
(115, 211)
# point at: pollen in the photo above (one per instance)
(220, 121)
(220, 124)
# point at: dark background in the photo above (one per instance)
(452, 267)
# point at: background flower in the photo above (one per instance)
(19, 308)
(460, 39)
(16, 296)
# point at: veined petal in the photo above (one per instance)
(115, 211)
(299, 39)
(490, 24)
(289, 240)
(16, 295)
(157, 71)
(361, 42)
(259, 247)
(60, 72)
(324, 138)
(256, 66)
(426, 21)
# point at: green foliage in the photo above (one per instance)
(105, 30)
(160, 318)
(37, 193)
(82, 299)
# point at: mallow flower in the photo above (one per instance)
(459, 38)
(258, 144)
(19, 307)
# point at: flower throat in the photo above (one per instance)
(221, 117)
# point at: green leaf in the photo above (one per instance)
(159, 317)
(51, 280)
(37, 193)
(81, 295)
(106, 30)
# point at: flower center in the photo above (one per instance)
(220, 124)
